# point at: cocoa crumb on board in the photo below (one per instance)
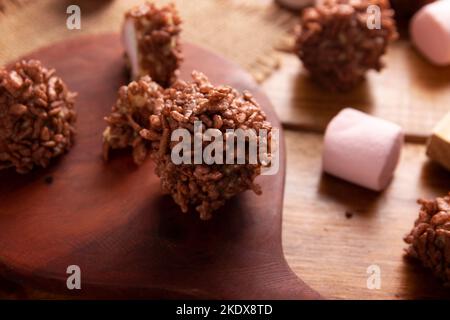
(48, 180)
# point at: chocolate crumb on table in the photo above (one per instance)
(336, 45)
(151, 38)
(146, 111)
(429, 240)
(37, 116)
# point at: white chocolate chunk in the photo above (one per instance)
(362, 149)
(439, 143)
(430, 32)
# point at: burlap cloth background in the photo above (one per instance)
(242, 30)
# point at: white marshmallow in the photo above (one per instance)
(430, 32)
(129, 38)
(362, 149)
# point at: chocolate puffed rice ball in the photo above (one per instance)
(37, 116)
(429, 240)
(135, 104)
(204, 186)
(151, 39)
(336, 45)
(145, 116)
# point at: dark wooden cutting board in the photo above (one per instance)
(111, 220)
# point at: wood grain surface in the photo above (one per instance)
(112, 221)
(333, 230)
(409, 91)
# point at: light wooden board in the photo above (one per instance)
(409, 91)
(331, 252)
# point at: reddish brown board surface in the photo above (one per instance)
(111, 219)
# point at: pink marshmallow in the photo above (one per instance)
(362, 149)
(430, 32)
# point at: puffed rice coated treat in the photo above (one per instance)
(145, 116)
(337, 47)
(135, 104)
(206, 187)
(37, 116)
(151, 38)
(429, 240)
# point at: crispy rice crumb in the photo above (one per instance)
(205, 187)
(158, 46)
(335, 44)
(429, 240)
(37, 116)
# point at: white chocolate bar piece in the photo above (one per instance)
(439, 143)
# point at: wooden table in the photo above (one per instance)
(333, 231)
